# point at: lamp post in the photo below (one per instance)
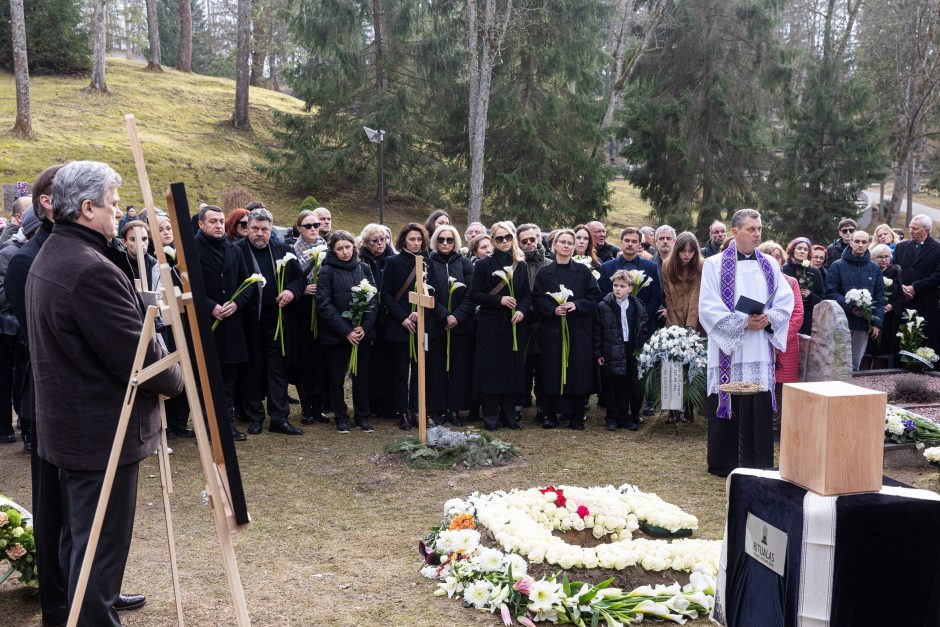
(378, 137)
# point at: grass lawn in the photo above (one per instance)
(336, 525)
(626, 207)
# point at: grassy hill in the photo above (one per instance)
(183, 121)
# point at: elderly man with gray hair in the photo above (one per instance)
(665, 241)
(84, 324)
(269, 351)
(20, 205)
(919, 258)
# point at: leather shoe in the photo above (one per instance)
(130, 602)
(292, 401)
(254, 428)
(185, 432)
(8, 439)
(284, 427)
(238, 436)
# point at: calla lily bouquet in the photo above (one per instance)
(914, 355)
(254, 278)
(316, 254)
(505, 275)
(640, 280)
(170, 253)
(587, 261)
(360, 305)
(281, 272)
(561, 297)
(453, 286)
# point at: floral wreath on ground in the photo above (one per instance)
(904, 427)
(522, 522)
(17, 546)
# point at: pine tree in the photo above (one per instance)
(58, 43)
(833, 138)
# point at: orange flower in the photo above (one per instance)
(462, 521)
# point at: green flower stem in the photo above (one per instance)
(565, 348)
(412, 340)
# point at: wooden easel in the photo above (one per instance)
(174, 302)
(423, 300)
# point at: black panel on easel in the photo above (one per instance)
(185, 239)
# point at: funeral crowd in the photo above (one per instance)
(524, 315)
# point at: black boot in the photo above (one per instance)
(576, 422)
(550, 421)
(403, 423)
(491, 422)
(455, 418)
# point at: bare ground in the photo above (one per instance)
(335, 525)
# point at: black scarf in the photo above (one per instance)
(535, 256)
(334, 261)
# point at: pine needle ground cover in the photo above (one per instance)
(335, 525)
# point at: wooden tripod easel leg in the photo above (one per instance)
(111, 469)
(166, 483)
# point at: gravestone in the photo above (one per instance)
(829, 353)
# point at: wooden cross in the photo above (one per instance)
(423, 300)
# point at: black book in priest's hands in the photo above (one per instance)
(749, 306)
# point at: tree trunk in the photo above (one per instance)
(209, 26)
(186, 37)
(259, 47)
(243, 41)
(153, 37)
(99, 31)
(128, 46)
(378, 42)
(24, 117)
(275, 82)
(490, 40)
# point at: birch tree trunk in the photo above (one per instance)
(485, 42)
(153, 37)
(186, 37)
(23, 126)
(98, 82)
(243, 41)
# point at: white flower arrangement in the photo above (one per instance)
(522, 520)
(860, 299)
(932, 454)
(676, 344)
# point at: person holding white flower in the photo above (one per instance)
(885, 346)
(305, 367)
(565, 295)
(223, 272)
(376, 251)
(267, 375)
(401, 278)
(500, 286)
(856, 271)
(450, 357)
(343, 273)
(742, 346)
(619, 328)
(810, 279)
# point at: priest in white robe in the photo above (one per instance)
(742, 347)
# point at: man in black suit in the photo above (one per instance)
(223, 271)
(919, 258)
(267, 363)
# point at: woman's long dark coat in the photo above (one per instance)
(817, 293)
(497, 368)
(451, 389)
(577, 278)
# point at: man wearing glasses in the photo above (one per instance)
(847, 226)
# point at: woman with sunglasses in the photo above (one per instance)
(578, 310)
(499, 369)
(450, 388)
(236, 225)
(400, 279)
(305, 358)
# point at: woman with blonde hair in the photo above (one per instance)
(499, 369)
(884, 234)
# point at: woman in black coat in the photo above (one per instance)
(812, 283)
(399, 279)
(578, 310)
(376, 251)
(340, 273)
(885, 346)
(499, 371)
(450, 389)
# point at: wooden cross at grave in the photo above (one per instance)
(423, 300)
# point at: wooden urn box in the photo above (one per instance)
(832, 437)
